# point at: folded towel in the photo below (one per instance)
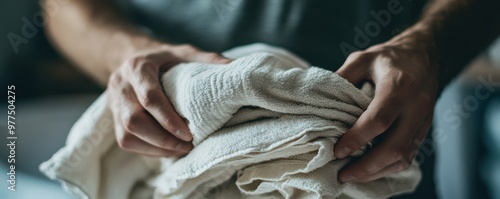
(264, 126)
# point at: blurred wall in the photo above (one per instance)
(27, 59)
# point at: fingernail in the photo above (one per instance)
(347, 150)
(347, 178)
(182, 147)
(344, 152)
(183, 135)
(225, 61)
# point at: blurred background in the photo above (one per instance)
(51, 94)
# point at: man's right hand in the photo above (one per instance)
(145, 121)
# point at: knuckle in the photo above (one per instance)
(134, 62)
(361, 55)
(355, 54)
(169, 143)
(148, 98)
(404, 164)
(115, 79)
(123, 90)
(146, 70)
(115, 82)
(367, 170)
(381, 122)
(407, 81)
(396, 154)
(139, 67)
(141, 64)
(132, 122)
(118, 90)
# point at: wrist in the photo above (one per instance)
(124, 46)
(419, 41)
(419, 38)
(417, 45)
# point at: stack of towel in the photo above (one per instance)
(264, 126)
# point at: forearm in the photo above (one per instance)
(454, 32)
(95, 37)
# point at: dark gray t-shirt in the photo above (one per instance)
(323, 32)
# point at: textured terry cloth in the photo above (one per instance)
(264, 126)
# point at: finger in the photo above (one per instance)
(210, 57)
(369, 163)
(411, 152)
(355, 68)
(192, 54)
(150, 95)
(419, 138)
(393, 168)
(144, 127)
(392, 149)
(132, 143)
(378, 117)
(137, 121)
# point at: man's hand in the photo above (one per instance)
(400, 114)
(145, 121)
(405, 71)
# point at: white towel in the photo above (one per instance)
(264, 126)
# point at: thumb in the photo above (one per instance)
(355, 68)
(210, 57)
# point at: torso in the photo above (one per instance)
(321, 31)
